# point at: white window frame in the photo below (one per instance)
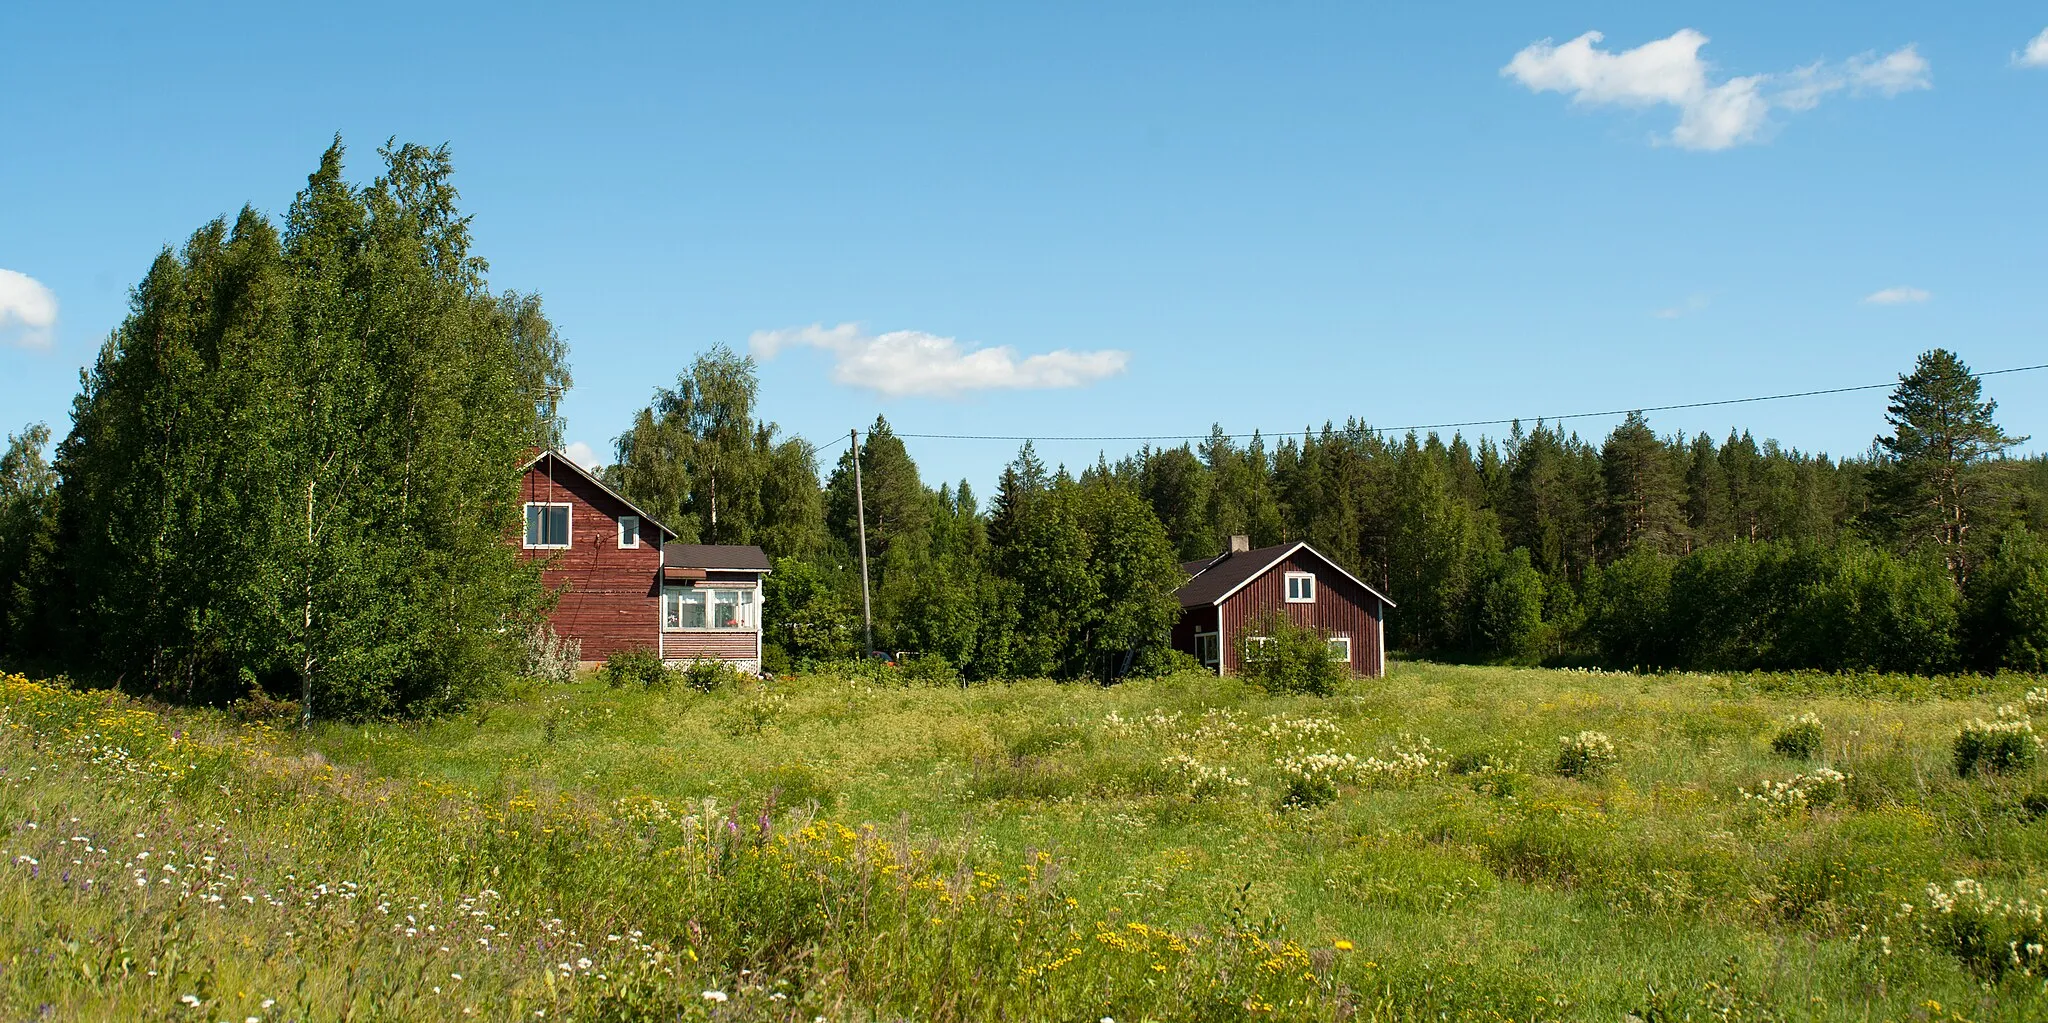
(1257, 643)
(1209, 649)
(1332, 644)
(748, 599)
(635, 520)
(568, 526)
(1309, 590)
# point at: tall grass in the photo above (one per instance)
(841, 848)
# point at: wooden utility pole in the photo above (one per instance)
(860, 511)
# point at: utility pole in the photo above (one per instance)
(860, 511)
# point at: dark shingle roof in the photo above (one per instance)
(715, 556)
(1226, 573)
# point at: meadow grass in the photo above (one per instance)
(1186, 848)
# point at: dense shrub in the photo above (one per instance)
(634, 667)
(930, 670)
(1282, 657)
(550, 658)
(1800, 738)
(709, 676)
(1585, 755)
(2007, 619)
(2006, 745)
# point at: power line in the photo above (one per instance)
(1476, 422)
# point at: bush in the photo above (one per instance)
(550, 658)
(2004, 746)
(710, 676)
(930, 670)
(1800, 738)
(1282, 657)
(634, 667)
(1585, 755)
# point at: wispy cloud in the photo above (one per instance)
(907, 362)
(27, 310)
(2036, 53)
(1692, 304)
(1900, 295)
(1711, 115)
(583, 454)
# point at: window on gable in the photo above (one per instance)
(547, 525)
(629, 530)
(1301, 588)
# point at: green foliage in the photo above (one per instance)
(709, 676)
(2006, 619)
(1280, 656)
(291, 460)
(1799, 738)
(930, 670)
(635, 666)
(28, 528)
(1588, 754)
(2005, 745)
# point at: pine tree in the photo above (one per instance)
(1641, 489)
(1944, 437)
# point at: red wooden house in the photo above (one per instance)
(623, 585)
(1232, 593)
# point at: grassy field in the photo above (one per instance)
(1165, 850)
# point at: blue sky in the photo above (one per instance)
(1259, 215)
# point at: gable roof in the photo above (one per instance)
(722, 557)
(1215, 580)
(564, 461)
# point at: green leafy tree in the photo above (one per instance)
(28, 526)
(2006, 621)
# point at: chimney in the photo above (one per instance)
(1240, 543)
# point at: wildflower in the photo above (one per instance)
(191, 1001)
(714, 996)
(1344, 946)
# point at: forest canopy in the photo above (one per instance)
(293, 469)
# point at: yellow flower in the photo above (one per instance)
(1343, 945)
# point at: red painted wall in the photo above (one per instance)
(610, 598)
(1341, 607)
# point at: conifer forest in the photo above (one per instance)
(292, 469)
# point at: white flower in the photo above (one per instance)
(191, 1000)
(714, 996)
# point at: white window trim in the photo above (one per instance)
(709, 601)
(568, 529)
(1290, 577)
(1346, 640)
(623, 545)
(1255, 643)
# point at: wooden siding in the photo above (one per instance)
(610, 598)
(728, 645)
(1193, 621)
(1341, 608)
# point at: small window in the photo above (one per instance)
(1208, 649)
(1301, 588)
(629, 531)
(547, 526)
(1255, 647)
(1340, 648)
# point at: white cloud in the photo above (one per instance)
(2036, 53)
(27, 310)
(582, 454)
(906, 362)
(1900, 295)
(1670, 72)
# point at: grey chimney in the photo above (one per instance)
(1240, 543)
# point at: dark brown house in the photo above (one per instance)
(624, 586)
(1230, 594)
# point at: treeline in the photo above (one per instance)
(293, 468)
(1636, 551)
(293, 465)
